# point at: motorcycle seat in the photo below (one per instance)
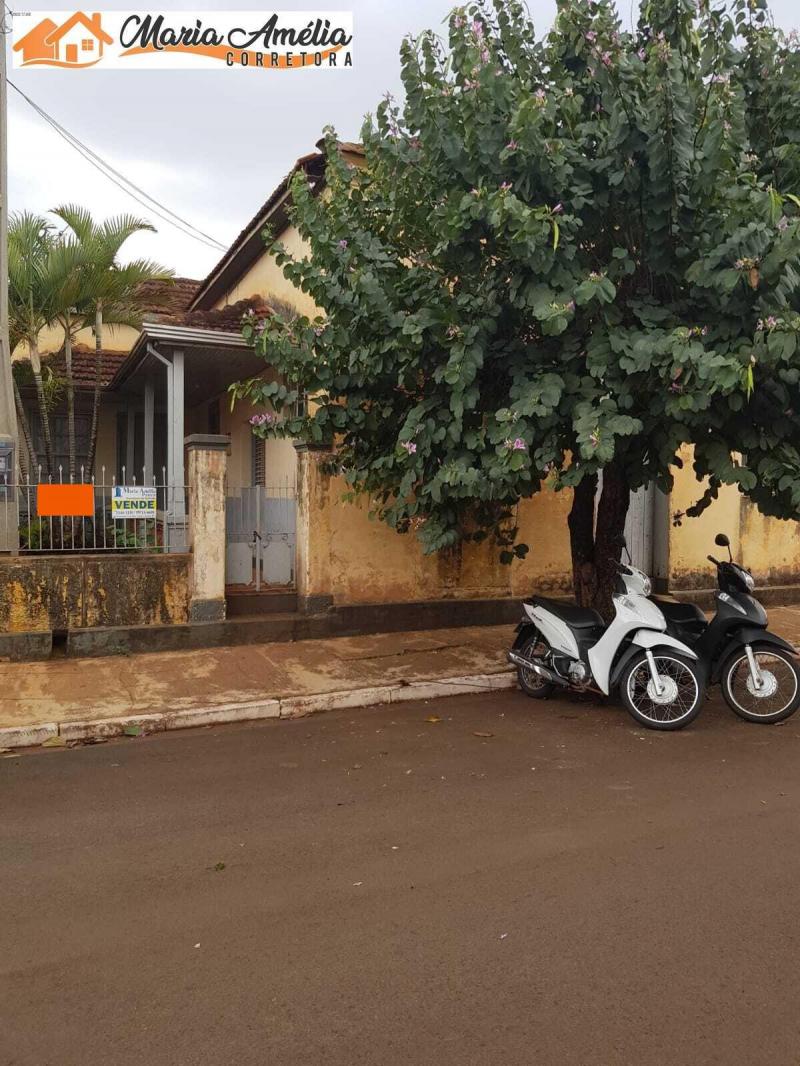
(678, 612)
(576, 617)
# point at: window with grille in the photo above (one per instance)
(259, 462)
(59, 435)
(87, 44)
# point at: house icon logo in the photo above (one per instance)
(78, 42)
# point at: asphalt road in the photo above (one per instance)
(569, 890)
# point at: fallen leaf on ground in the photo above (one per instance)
(54, 742)
(433, 718)
(132, 731)
(219, 866)
(483, 734)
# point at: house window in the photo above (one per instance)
(59, 435)
(259, 465)
(87, 44)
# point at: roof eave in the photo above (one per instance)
(175, 337)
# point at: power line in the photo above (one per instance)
(117, 178)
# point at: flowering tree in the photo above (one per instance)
(561, 257)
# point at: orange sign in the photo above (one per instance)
(67, 501)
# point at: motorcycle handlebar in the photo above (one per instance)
(711, 559)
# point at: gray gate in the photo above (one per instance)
(260, 529)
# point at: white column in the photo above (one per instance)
(130, 441)
(175, 469)
(149, 427)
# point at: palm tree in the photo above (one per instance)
(31, 306)
(110, 290)
(70, 275)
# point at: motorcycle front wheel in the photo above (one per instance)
(775, 697)
(670, 705)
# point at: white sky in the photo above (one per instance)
(210, 145)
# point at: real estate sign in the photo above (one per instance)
(133, 501)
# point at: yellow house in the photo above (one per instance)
(287, 524)
(344, 558)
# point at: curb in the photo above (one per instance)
(254, 710)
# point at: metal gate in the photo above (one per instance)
(639, 524)
(639, 528)
(260, 536)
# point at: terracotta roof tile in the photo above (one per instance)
(83, 365)
(167, 297)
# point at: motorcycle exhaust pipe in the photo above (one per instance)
(538, 667)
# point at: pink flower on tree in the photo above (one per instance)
(409, 446)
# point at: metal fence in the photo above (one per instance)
(158, 523)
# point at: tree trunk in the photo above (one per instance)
(98, 371)
(44, 416)
(596, 547)
(27, 436)
(70, 397)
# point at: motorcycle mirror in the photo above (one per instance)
(724, 542)
(622, 544)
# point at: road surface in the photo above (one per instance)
(372, 887)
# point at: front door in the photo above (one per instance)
(72, 53)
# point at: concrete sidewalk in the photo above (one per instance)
(66, 700)
(82, 698)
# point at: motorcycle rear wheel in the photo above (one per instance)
(677, 704)
(530, 682)
(781, 675)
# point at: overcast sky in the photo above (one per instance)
(209, 145)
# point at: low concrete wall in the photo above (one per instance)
(46, 593)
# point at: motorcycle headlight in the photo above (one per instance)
(748, 580)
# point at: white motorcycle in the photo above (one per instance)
(560, 645)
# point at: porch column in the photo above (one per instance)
(176, 477)
(130, 441)
(149, 427)
(207, 471)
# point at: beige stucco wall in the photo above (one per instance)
(115, 339)
(353, 559)
(769, 546)
(265, 278)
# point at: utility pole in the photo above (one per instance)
(9, 521)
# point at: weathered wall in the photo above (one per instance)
(769, 546)
(346, 558)
(63, 592)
